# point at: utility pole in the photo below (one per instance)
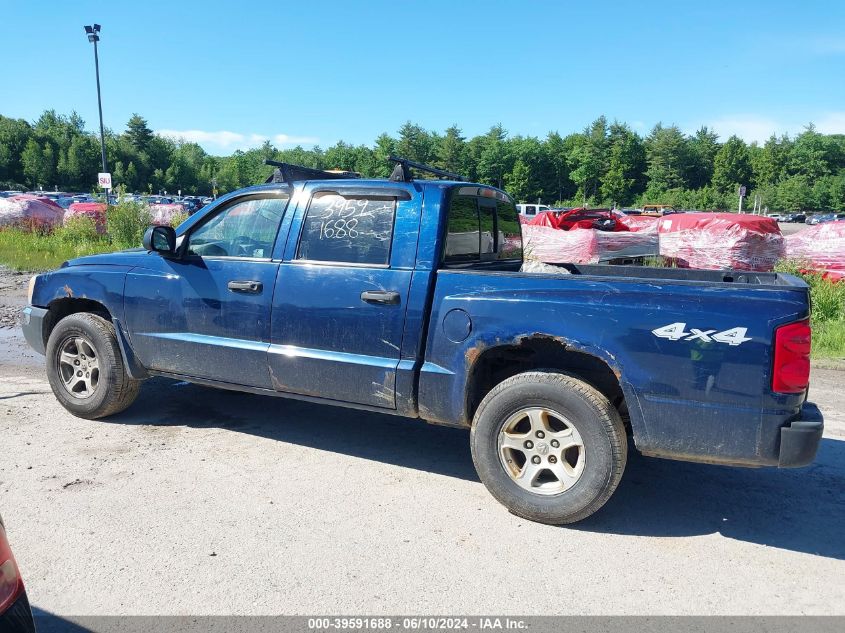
(742, 191)
(94, 37)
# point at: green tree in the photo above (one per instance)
(668, 159)
(703, 147)
(518, 182)
(588, 159)
(624, 178)
(560, 186)
(139, 133)
(732, 165)
(493, 157)
(451, 150)
(771, 161)
(415, 143)
(77, 168)
(811, 155)
(385, 146)
(794, 194)
(14, 135)
(39, 164)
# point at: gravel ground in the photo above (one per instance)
(197, 501)
(12, 296)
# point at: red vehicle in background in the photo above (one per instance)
(15, 612)
(579, 218)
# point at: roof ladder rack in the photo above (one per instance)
(289, 173)
(402, 171)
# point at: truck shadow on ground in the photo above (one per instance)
(799, 510)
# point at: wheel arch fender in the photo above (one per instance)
(490, 362)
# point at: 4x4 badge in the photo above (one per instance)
(678, 332)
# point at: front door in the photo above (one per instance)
(207, 314)
(342, 292)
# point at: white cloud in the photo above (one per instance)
(747, 127)
(231, 141)
(750, 127)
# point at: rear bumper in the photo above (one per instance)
(800, 439)
(32, 323)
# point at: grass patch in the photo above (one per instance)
(829, 340)
(828, 310)
(35, 252)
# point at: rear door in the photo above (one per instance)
(342, 293)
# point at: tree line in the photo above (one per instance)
(606, 164)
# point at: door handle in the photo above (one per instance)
(387, 297)
(247, 287)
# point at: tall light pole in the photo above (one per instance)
(94, 37)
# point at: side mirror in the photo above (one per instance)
(161, 239)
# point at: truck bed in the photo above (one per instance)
(691, 349)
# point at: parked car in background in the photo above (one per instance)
(795, 217)
(10, 193)
(15, 612)
(65, 201)
(826, 217)
(531, 210)
(777, 217)
(658, 209)
(191, 205)
(157, 200)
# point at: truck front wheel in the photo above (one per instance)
(548, 446)
(85, 367)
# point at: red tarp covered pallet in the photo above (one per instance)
(821, 247)
(30, 212)
(94, 210)
(721, 240)
(163, 214)
(556, 238)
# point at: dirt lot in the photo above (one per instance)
(198, 501)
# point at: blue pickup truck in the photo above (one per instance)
(410, 297)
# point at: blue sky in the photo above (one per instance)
(230, 75)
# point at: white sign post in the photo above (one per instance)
(104, 180)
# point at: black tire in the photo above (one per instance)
(114, 390)
(603, 442)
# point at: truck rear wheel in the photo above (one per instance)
(548, 446)
(85, 367)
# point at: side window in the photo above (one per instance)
(353, 230)
(509, 231)
(244, 229)
(463, 234)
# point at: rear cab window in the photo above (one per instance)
(351, 229)
(482, 226)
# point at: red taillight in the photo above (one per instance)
(792, 358)
(11, 585)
